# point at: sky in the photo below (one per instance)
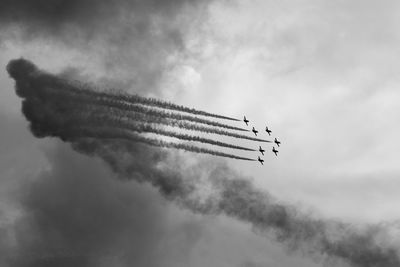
(320, 74)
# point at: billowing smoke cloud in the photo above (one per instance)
(169, 119)
(228, 194)
(55, 108)
(78, 216)
(80, 92)
(115, 133)
(237, 197)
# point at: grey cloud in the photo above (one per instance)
(237, 198)
(76, 214)
(134, 41)
(88, 17)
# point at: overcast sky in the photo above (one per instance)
(321, 74)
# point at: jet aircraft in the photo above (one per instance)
(268, 130)
(261, 150)
(255, 131)
(275, 151)
(261, 160)
(277, 142)
(245, 120)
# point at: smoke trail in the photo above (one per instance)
(136, 99)
(164, 114)
(46, 120)
(75, 133)
(149, 117)
(237, 197)
(143, 127)
(66, 113)
(46, 84)
(188, 125)
(230, 194)
(167, 105)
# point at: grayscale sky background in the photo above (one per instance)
(323, 75)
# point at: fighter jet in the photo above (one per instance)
(268, 130)
(277, 142)
(255, 131)
(275, 151)
(245, 120)
(261, 160)
(261, 150)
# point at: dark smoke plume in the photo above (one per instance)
(40, 113)
(146, 128)
(46, 84)
(128, 100)
(59, 124)
(141, 123)
(68, 109)
(189, 125)
(230, 194)
(148, 115)
(239, 198)
(162, 104)
(111, 133)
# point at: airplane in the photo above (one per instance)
(277, 142)
(246, 121)
(261, 150)
(275, 151)
(261, 160)
(268, 130)
(255, 131)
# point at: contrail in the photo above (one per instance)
(113, 133)
(167, 105)
(230, 194)
(124, 99)
(41, 114)
(239, 198)
(44, 122)
(165, 114)
(75, 114)
(143, 127)
(190, 126)
(149, 117)
(48, 84)
(136, 99)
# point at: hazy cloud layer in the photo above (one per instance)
(133, 41)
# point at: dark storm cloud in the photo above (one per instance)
(88, 17)
(131, 39)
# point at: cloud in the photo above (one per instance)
(68, 19)
(77, 214)
(133, 41)
(212, 188)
